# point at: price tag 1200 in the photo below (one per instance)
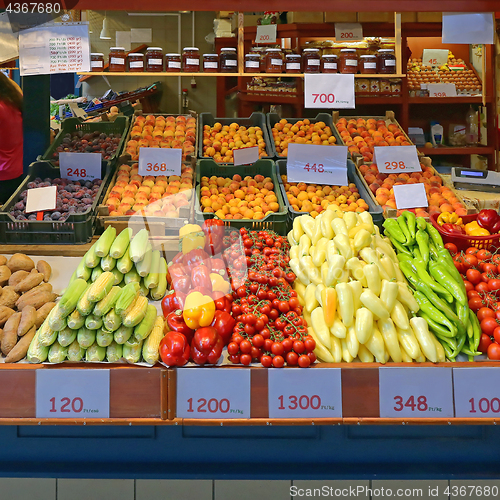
(213, 393)
(315, 393)
(77, 394)
(477, 392)
(415, 392)
(393, 160)
(158, 161)
(76, 166)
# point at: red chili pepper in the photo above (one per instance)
(223, 304)
(170, 303)
(200, 276)
(174, 349)
(224, 323)
(206, 346)
(176, 323)
(196, 257)
(214, 233)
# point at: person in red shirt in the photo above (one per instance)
(11, 138)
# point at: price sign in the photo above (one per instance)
(329, 91)
(415, 392)
(159, 161)
(442, 89)
(266, 33)
(40, 199)
(310, 393)
(392, 160)
(410, 196)
(245, 156)
(75, 166)
(435, 57)
(74, 394)
(348, 31)
(477, 392)
(468, 27)
(317, 164)
(213, 393)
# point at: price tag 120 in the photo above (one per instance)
(213, 393)
(75, 166)
(266, 34)
(415, 392)
(329, 91)
(348, 31)
(477, 392)
(410, 196)
(77, 394)
(442, 89)
(314, 393)
(159, 161)
(393, 160)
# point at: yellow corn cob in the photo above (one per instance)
(101, 287)
(137, 313)
(150, 351)
(143, 329)
(107, 303)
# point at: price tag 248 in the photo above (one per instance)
(76, 166)
(158, 161)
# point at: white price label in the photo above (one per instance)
(468, 27)
(213, 393)
(159, 161)
(245, 156)
(317, 164)
(392, 160)
(329, 91)
(266, 33)
(40, 199)
(415, 392)
(72, 394)
(314, 393)
(410, 196)
(435, 57)
(477, 392)
(76, 166)
(348, 31)
(442, 89)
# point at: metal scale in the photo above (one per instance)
(476, 180)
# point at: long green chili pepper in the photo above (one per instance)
(451, 342)
(421, 223)
(463, 314)
(416, 253)
(423, 245)
(477, 329)
(404, 257)
(432, 312)
(411, 222)
(441, 275)
(433, 251)
(445, 255)
(469, 352)
(429, 281)
(436, 327)
(460, 345)
(397, 244)
(447, 350)
(404, 228)
(392, 227)
(435, 236)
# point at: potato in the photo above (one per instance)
(43, 312)
(19, 351)
(29, 282)
(44, 268)
(5, 274)
(5, 314)
(28, 320)
(8, 297)
(37, 300)
(3, 260)
(20, 261)
(9, 337)
(17, 277)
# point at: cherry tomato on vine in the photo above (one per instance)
(292, 358)
(488, 325)
(245, 359)
(482, 287)
(277, 348)
(483, 254)
(278, 361)
(493, 351)
(475, 303)
(496, 334)
(471, 251)
(485, 312)
(494, 285)
(266, 361)
(452, 248)
(304, 360)
(474, 276)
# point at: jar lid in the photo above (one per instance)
(155, 48)
(273, 50)
(117, 48)
(386, 50)
(310, 50)
(136, 54)
(172, 54)
(190, 48)
(96, 54)
(367, 56)
(226, 49)
(210, 55)
(330, 55)
(252, 54)
(296, 56)
(347, 50)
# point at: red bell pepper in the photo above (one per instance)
(452, 229)
(224, 323)
(223, 304)
(179, 258)
(218, 266)
(200, 276)
(182, 285)
(177, 271)
(174, 349)
(214, 233)
(176, 323)
(195, 257)
(170, 303)
(487, 218)
(206, 346)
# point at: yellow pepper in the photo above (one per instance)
(219, 284)
(192, 241)
(199, 310)
(329, 304)
(474, 229)
(189, 228)
(449, 218)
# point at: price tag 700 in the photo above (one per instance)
(329, 91)
(158, 161)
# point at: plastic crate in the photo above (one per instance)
(254, 120)
(273, 118)
(77, 229)
(276, 221)
(374, 209)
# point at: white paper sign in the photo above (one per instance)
(213, 393)
(468, 27)
(442, 89)
(317, 164)
(435, 57)
(296, 393)
(72, 393)
(160, 161)
(410, 196)
(40, 199)
(245, 156)
(395, 159)
(415, 392)
(348, 32)
(9, 48)
(76, 166)
(477, 392)
(266, 33)
(331, 91)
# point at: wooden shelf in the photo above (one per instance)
(480, 150)
(448, 100)
(250, 75)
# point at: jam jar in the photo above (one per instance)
(210, 63)
(135, 62)
(274, 61)
(293, 63)
(117, 59)
(311, 60)
(386, 61)
(228, 60)
(154, 59)
(329, 63)
(252, 62)
(368, 64)
(172, 63)
(348, 61)
(96, 61)
(190, 59)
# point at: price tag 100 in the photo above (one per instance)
(329, 91)
(477, 392)
(266, 33)
(415, 392)
(393, 160)
(442, 89)
(76, 166)
(317, 164)
(348, 31)
(435, 57)
(160, 161)
(77, 394)
(213, 393)
(315, 393)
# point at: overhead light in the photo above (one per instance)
(184, 11)
(105, 34)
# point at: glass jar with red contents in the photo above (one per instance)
(190, 59)
(154, 59)
(96, 61)
(274, 61)
(368, 64)
(135, 62)
(311, 60)
(210, 63)
(386, 61)
(252, 62)
(228, 60)
(348, 61)
(329, 63)
(172, 63)
(293, 63)
(117, 59)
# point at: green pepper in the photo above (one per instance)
(447, 350)
(404, 257)
(411, 222)
(429, 281)
(432, 312)
(440, 274)
(404, 228)
(477, 329)
(470, 353)
(393, 230)
(423, 245)
(463, 313)
(436, 327)
(416, 252)
(460, 344)
(397, 245)
(435, 236)
(421, 223)
(433, 251)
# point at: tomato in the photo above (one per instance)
(311, 356)
(277, 348)
(257, 341)
(310, 344)
(495, 259)
(299, 347)
(484, 343)
(284, 306)
(496, 334)
(292, 358)
(485, 312)
(475, 303)
(468, 286)
(293, 302)
(245, 359)
(494, 284)
(268, 344)
(233, 348)
(304, 361)
(287, 344)
(482, 287)
(278, 361)
(471, 259)
(249, 329)
(452, 248)
(234, 358)
(471, 250)
(472, 293)
(245, 346)
(474, 276)
(483, 254)
(488, 325)
(266, 361)
(488, 268)
(485, 277)
(493, 351)
(460, 259)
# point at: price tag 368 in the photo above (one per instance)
(158, 161)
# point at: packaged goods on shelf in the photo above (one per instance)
(271, 86)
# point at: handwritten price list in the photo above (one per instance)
(65, 54)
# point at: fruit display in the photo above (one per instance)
(26, 299)
(158, 131)
(160, 196)
(485, 223)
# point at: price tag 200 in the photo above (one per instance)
(76, 166)
(266, 33)
(476, 392)
(415, 392)
(393, 160)
(348, 31)
(159, 161)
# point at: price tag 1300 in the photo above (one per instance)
(394, 160)
(415, 392)
(159, 161)
(76, 166)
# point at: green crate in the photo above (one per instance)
(277, 221)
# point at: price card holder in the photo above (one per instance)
(159, 161)
(317, 164)
(435, 57)
(468, 27)
(245, 156)
(348, 32)
(40, 199)
(314, 393)
(213, 393)
(393, 160)
(329, 91)
(415, 392)
(75, 166)
(442, 89)
(410, 196)
(266, 33)
(72, 394)
(477, 392)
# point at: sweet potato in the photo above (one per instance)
(1, 335)
(29, 282)
(19, 351)
(44, 268)
(28, 319)
(20, 261)
(8, 297)
(5, 274)
(3, 260)
(17, 277)
(5, 314)
(36, 300)
(9, 337)
(43, 312)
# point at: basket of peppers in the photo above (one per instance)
(480, 230)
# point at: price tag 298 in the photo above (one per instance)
(476, 392)
(159, 161)
(442, 89)
(393, 160)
